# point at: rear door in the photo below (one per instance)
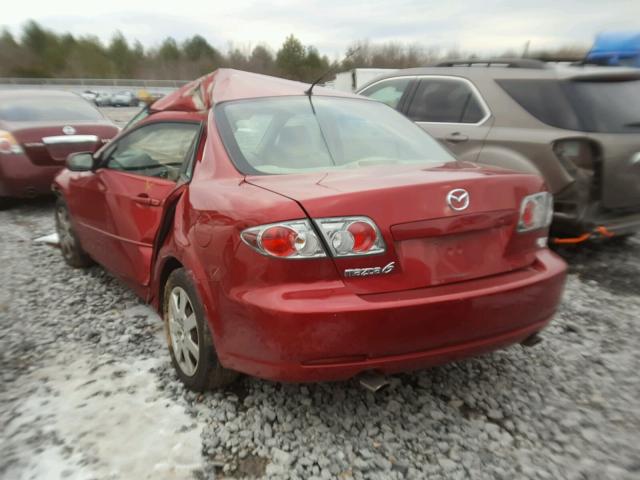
(451, 110)
(126, 195)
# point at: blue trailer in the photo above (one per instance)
(616, 49)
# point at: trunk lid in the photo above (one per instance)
(430, 243)
(47, 144)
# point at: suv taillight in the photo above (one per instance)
(345, 237)
(536, 212)
(576, 153)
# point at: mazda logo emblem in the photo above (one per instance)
(68, 130)
(458, 199)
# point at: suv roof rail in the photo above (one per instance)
(496, 62)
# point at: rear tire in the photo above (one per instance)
(188, 336)
(70, 247)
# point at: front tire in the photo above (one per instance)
(70, 247)
(188, 337)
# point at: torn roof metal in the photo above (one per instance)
(227, 84)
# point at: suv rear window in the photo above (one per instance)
(603, 106)
(612, 107)
(544, 99)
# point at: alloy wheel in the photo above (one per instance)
(65, 233)
(183, 331)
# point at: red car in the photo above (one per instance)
(306, 236)
(38, 130)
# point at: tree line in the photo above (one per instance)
(40, 52)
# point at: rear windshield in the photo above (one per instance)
(48, 109)
(592, 106)
(298, 134)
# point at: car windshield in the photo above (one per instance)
(68, 108)
(605, 106)
(300, 134)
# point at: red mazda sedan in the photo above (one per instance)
(306, 236)
(38, 130)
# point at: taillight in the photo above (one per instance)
(576, 153)
(294, 239)
(345, 236)
(536, 212)
(350, 236)
(8, 143)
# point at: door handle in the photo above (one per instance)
(144, 199)
(456, 137)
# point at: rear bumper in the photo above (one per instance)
(19, 178)
(315, 334)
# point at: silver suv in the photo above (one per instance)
(578, 127)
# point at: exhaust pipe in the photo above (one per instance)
(372, 381)
(531, 340)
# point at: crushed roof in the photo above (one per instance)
(225, 84)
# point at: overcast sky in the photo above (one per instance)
(489, 26)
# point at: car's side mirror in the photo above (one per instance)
(80, 162)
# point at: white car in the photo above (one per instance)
(124, 99)
(103, 99)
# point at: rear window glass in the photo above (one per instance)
(544, 99)
(292, 135)
(612, 107)
(603, 106)
(48, 109)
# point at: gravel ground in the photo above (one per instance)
(88, 392)
(120, 115)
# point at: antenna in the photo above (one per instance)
(350, 53)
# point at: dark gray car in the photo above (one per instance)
(579, 127)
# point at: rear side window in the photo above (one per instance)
(445, 100)
(388, 91)
(544, 99)
(67, 108)
(607, 106)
